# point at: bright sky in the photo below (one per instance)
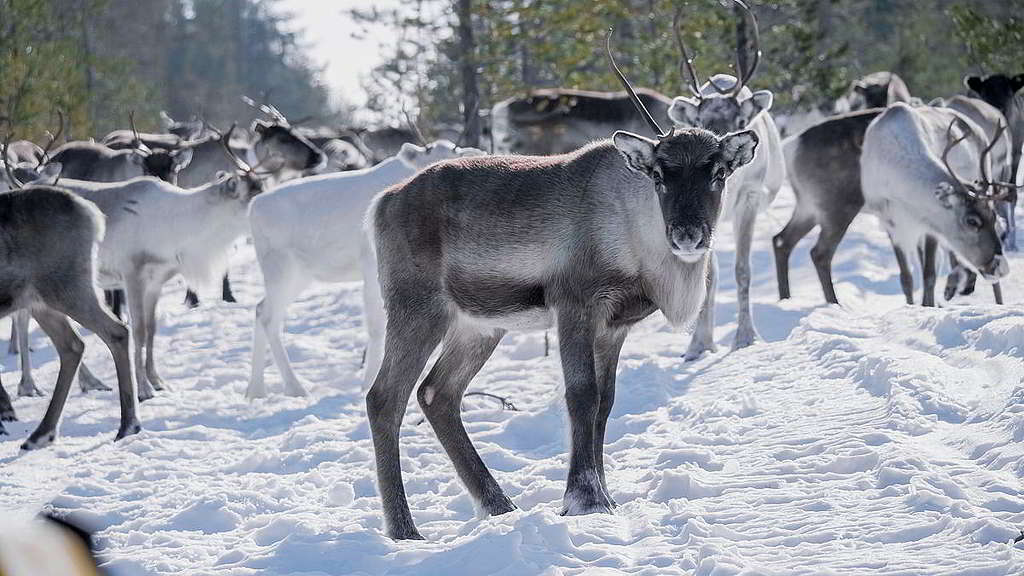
(329, 34)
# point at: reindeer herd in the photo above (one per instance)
(561, 227)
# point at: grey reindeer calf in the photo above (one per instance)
(593, 241)
(49, 266)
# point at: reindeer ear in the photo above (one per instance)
(947, 196)
(973, 83)
(637, 150)
(230, 187)
(51, 171)
(182, 158)
(1017, 82)
(409, 151)
(684, 112)
(738, 149)
(760, 101)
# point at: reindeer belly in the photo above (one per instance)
(501, 302)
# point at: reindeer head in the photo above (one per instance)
(997, 89)
(248, 181)
(292, 153)
(724, 104)
(16, 175)
(159, 163)
(688, 168)
(970, 226)
(188, 130)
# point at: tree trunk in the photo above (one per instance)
(467, 67)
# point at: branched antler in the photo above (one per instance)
(743, 76)
(632, 93)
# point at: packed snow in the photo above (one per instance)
(867, 438)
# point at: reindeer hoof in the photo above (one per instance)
(498, 504)
(697, 352)
(28, 390)
(405, 533)
(8, 415)
(295, 390)
(255, 393)
(745, 339)
(128, 430)
(145, 391)
(91, 384)
(37, 441)
(586, 501)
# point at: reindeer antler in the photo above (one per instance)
(685, 61)
(139, 147)
(756, 39)
(986, 173)
(53, 138)
(998, 191)
(225, 144)
(951, 143)
(985, 187)
(15, 183)
(414, 127)
(743, 76)
(267, 109)
(632, 93)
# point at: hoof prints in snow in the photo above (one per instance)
(869, 439)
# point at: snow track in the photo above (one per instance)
(872, 438)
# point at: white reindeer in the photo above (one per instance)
(724, 105)
(912, 170)
(156, 231)
(309, 229)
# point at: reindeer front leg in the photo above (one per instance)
(584, 493)
(743, 228)
(703, 339)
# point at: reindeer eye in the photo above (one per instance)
(743, 123)
(973, 221)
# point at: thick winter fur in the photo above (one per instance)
(750, 190)
(591, 241)
(558, 121)
(309, 230)
(48, 245)
(156, 231)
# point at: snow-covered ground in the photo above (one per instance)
(872, 438)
